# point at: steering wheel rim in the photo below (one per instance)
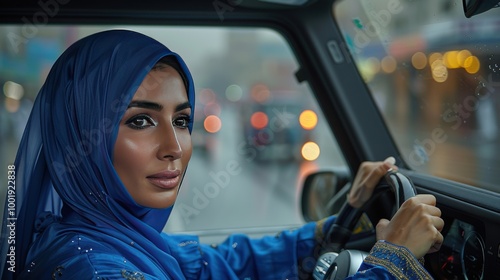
(340, 232)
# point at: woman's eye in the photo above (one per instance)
(182, 121)
(140, 122)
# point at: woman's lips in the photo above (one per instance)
(166, 179)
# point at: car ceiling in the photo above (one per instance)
(180, 11)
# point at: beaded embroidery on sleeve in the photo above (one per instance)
(397, 260)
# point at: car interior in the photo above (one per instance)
(292, 96)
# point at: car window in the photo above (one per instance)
(435, 76)
(257, 130)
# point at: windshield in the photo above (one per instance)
(435, 76)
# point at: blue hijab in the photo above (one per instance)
(64, 163)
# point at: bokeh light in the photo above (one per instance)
(13, 90)
(369, 68)
(435, 56)
(450, 59)
(472, 64)
(212, 124)
(439, 71)
(260, 93)
(308, 119)
(310, 151)
(388, 64)
(419, 60)
(234, 93)
(462, 56)
(259, 120)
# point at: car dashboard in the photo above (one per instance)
(471, 245)
(463, 251)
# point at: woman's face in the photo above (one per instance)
(153, 146)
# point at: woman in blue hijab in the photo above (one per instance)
(99, 167)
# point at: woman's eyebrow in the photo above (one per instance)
(145, 105)
(183, 106)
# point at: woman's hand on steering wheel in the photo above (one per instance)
(367, 177)
(416, 225)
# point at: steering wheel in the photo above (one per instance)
(336, 263)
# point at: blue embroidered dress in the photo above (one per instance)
(76, 256)
(75, 218)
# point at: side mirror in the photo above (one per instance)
(475, 7)
(324, 193)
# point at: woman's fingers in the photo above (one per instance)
(426, 199)
(376, 170)
(368, 176)
(439, 225)
(437, 221)
(417, 225)
(437, 244)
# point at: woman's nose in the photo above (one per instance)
(170, 147)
